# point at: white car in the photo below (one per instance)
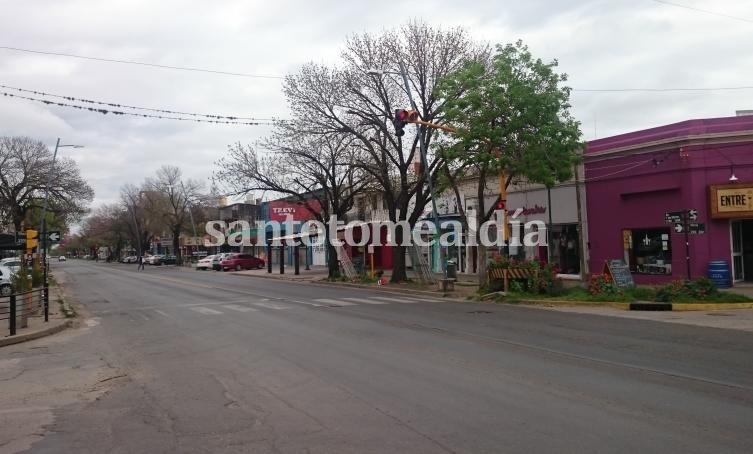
(5, 275)
(13, 263)
(207, 263)
(61, 258)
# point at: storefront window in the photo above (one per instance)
(565, 250)
(650, 251)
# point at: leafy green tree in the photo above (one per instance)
(512, 117)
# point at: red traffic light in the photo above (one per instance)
(501, 205)
(407, 116)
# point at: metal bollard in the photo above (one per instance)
(12, 314)
(46, 302)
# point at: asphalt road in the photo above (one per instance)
(214, 362)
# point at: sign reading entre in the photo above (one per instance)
(731, 200)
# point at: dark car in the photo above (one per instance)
(168, 260)
(241, 262)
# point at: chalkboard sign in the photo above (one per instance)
(619, 271)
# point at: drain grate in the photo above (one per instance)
(480, 312)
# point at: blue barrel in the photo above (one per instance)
(719, 273)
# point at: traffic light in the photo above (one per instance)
(31, 239)
(501, 204)
(402, 117)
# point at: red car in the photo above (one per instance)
(239, 262)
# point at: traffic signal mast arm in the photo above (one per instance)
(403, 116)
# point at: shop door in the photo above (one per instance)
(737, 251)
(747, 240)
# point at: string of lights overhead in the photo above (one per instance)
(126, 106)
(134, 114)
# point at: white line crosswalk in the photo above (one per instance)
(239, 308)
(396, 300)
(286, 304)
(205, 310)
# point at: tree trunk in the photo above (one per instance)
(332, 263)
(480, 249)
(176, 247)
(399, 273)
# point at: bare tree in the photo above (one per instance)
(316, 170)
(352, 101)
(170, 197)
(25, 164)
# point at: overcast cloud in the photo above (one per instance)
(600, 44)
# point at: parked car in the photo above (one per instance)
(130, 259)
(207, 263)
(217, 262)
(153, 260)
(5, 275)
(61, 258)
(168, 260)
(13, 263)
(241, 261)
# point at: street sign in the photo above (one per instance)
(673, 217)
(679, 227)
(692, 214)
(53, 237)
(696, 228)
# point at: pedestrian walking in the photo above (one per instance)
(141, 262)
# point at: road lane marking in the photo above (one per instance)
(328, 302)
(239, 308)
(205, 310)
(143, 315)
(162, 313)
(366, 301)
(308, 303)
(271, 306)
(395, 300)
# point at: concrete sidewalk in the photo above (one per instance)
(36, 326)
(739, 319)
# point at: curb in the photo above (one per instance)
(52, 329)
(677, 307)
(710, 306)
(565, 303)
(383, 289)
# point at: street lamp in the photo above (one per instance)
(136, 227)
(44, 206)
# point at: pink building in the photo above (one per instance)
(633, 180)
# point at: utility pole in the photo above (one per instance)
(424, 161)
(44, 206)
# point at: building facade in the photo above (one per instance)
(638, 183)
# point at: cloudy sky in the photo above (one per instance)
(607, 44)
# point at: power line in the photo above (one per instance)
(131, 62)
(593, 90)
(133, 114)
(728, 16)
(125, 106)
(669, 89)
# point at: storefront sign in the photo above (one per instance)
(280, 210)
(536, 209)
(619, 272)
(731, 200)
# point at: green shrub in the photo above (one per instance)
(699, 289)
